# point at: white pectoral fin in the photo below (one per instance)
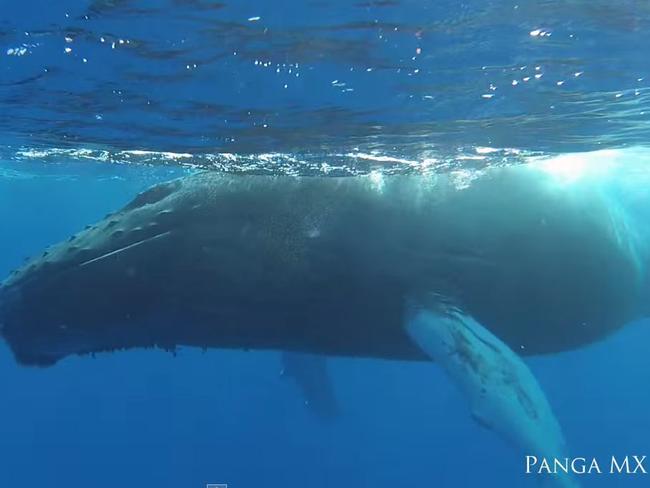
(502, 393)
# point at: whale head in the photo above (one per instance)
(86, 294)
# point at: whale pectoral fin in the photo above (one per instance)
(502, 393)
(311, 376)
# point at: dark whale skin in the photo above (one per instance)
(330, 266)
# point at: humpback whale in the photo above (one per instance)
(327, 266)
(334, 266)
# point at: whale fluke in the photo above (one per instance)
(503, 394)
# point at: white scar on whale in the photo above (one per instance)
(502, 392)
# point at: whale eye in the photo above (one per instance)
(154, 195)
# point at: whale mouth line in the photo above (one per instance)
(125, 248)
(12, 290)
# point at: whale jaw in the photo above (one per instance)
(90, 293)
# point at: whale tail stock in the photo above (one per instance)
(502, 392)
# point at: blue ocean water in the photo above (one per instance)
(99, 100)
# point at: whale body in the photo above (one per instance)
(470, 274)
(327, 266)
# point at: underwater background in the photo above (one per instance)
(99, 100)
